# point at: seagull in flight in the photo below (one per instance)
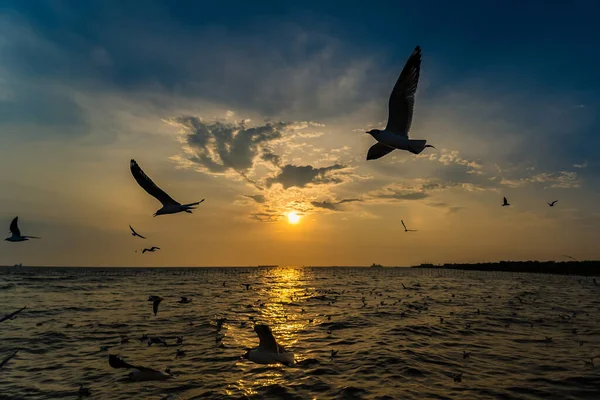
(151, 249)
(553, 203)
(169, 206)
(247, 285)
(16, 232)
(406, 229)
(134, 233)
(400, 110)
(505, 203)
(155, 302)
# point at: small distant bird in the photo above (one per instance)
(169, 206)
(156, 340)
(155, 302)
(466, 354)
(151, 249)
(458, 377)
(7, 359)
(406, 229)
(179, 340)
(441, 320)
(505, 203)
(553, 203)
(400, 114)
(134, 233)
(590, 363)
(247, 285)
(334, 353)
(83, 391)
(16, 233)
(184, 300)
(180, 353)
(11, 315)
(124, 339)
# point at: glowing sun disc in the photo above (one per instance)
(293, 218)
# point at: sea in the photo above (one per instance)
(398, 333)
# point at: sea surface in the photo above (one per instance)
(392, 345)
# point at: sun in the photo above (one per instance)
(293, 217)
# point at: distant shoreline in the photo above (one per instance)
(583, 268)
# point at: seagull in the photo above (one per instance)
(140, 373)
(247, 285)
(169, 206)
(400, 109)
(151, 249)
(505, 203)
(16, 232)
(7, 359)
(11, 315)
(83, 391)
(184, 300)
(406, 229)
(134, 233)
(553, 203)
(155, 302)
(268, 350)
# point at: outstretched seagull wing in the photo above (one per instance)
(135, 233)
(267, 340)
(402, 99)
(378, 150)
(7, 359)
(150, 187)
(14, 227)
(9, 316)
(403, 225)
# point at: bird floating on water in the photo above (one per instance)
(406, 229)
(16, 233)
(169, 206)
(400, 113)
(553, 203)
(268, 350)
(134, 233)
(247, 285)
(184, 300)
(83, 391)
(505, 203)
(151, 249)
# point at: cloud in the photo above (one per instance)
(265, 216)
(555, 180)
(584, 165)
(302, 176)
(219, 147)
(332, 206)
(449, 208)
(259, 198)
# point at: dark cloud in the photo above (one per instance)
(401, 195)
(265, 216)
(333, 206)
(301, 176)
(259, 198)
(271, 157)
(220, 146)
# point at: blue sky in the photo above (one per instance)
(509, 94)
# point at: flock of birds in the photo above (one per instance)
(393, 137)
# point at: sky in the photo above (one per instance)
(261, 108)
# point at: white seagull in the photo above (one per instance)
(400, 109)
(170, 206)
(16, 232)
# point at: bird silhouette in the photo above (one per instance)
(151, 249)
(16, 232)
(406, 229)
(134, 233)
(553, 203)
(169, 206)
(400, 113)
(505, 203)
